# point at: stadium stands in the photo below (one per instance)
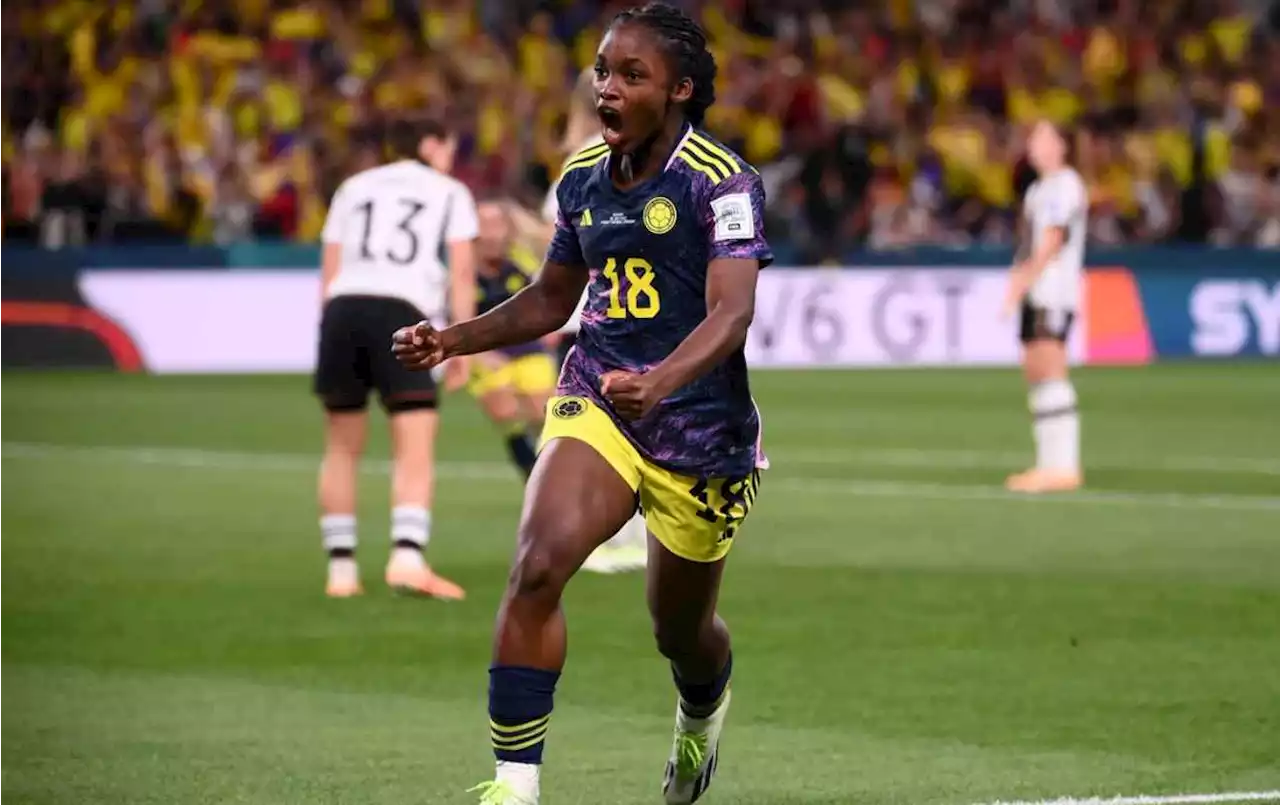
(896, 124)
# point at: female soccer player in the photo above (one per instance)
(627, 550)
(1046, 286)
(664, 226)
(381, 270)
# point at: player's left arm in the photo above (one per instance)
(734, 223)
(731, 304)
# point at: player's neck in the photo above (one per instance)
(650, 157)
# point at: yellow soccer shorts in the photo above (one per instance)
(695, 518)
(531, 374)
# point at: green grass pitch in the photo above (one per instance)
(905, 632)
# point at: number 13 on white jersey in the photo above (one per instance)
(392, 223)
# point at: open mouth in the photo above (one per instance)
(611, 121)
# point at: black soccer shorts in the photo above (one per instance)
(355, 356)
(1040, 323)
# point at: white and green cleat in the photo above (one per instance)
(695, 751)
(514, 784)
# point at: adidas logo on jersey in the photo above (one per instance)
(585, 220)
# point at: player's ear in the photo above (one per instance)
(682, 91)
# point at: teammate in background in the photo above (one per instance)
(663, 225)
(514, 383)
(381, 271)
(1046, 286)
(626, 550)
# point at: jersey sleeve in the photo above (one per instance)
(564, 248)
(333, 219)
(464, 221)
(1061, 202)
(733, 217)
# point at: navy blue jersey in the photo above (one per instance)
(494, 289)
(647, 250)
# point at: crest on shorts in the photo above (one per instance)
(659, 215)
(569, 407)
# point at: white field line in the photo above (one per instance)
(1172, 799)
(488, 470)
(991, 459)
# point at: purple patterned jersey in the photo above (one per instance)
(647, 250)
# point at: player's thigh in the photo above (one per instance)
(341, 378)
(697, 519)
(1044, 333)
(574, 502)
(500, 404)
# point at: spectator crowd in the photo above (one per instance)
(881, 124)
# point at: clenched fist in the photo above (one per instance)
(421, 348)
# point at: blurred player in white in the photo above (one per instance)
(382, 270)
(628, 549)
(1046, 287)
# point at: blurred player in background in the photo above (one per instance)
(382, 269)
(1045, 285)
(626, 550)
(512, 384)
(665, 227)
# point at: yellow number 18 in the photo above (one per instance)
(642, 297)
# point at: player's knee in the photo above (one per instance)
(543, 565)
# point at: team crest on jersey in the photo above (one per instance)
(569, 407)
(659, 215)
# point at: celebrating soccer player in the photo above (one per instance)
(664, 227)
(626, 550)
(382, 271)
(1046, 285)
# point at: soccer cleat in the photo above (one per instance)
(344, 579)
(409, 574)
(695, 752)
(1037, 481)
(515, 784)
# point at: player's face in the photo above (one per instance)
(495, 232)
(1045, 148)
(635, 89)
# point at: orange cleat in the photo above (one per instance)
(1037, 481)
(419, 579)
(344, 580)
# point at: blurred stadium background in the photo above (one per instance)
(907, 632)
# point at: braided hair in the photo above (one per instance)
(685, 45)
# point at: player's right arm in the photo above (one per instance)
(541, 307)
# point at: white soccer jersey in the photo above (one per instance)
(550, 208)
(1059, 200)
(392, 222)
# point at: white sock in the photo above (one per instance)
(522, 777)
(1056, 426)
(410, 528)
(339, 532)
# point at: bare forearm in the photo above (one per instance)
(720, 334)
(527, 316)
